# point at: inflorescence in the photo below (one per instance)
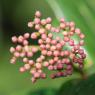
(57, 54)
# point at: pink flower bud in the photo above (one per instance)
(67, 61)
(65, 33)
(56, 53)
(26, 48)
(57, 30)
(26, 35)
(25, 42)
(59, 61)
(36, 20)
(12, 61)
(81, 51)
(72, 24)
(18, 47)
(33, 80)
(50, 35)
(38, 14)
(48, 40)
(16, 54)
(53, 76)
(69, 67)
(66, 53)
(49, 53)
(43, 22)
(48, 26)
(76, 47)
(44, 52)
(44, 36)
(29, 54)
(22, 69)
(12, 49)
(81, 43)
(48, 20)
(43, 75)
(22, 54)
(31, 62)
(59, 74)
(30, 24)
(36, 75)
(42, 57)
(62, 53)
(83, 56)
(53, 48)
(33, 35)
(32, 71)
(46, 64)
(60, 66)
(34, 49)
(64, 61)
(39, 71)
(42, 46)
(77, 31)
(37, 27)
(39, 59)
(72, 29)
(82, 36)
(71, 33)
(62, 43)
(38, 65)
(47, 46)
(57, 38)
(42, 31)
(66, 39)
(56, 59)
(71, 42)
(14, 39)
(25, 60)
(20, 39)
(40, 41)
(69, 72)
(53, 29)
(53, 42)
(59, 46)
(27, 66)
(51, 61)
(50, 67)
(62, 25)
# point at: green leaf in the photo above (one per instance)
(44, 91)
(79, 87)
(68, 87)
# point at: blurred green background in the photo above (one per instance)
(14, 15)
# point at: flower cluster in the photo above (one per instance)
(57, 53)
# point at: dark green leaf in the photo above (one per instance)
(79, 87)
